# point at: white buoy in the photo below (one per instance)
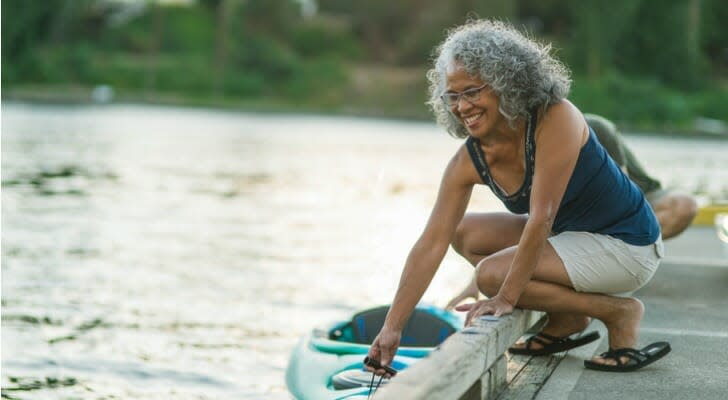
(721, 228)
(102, 94)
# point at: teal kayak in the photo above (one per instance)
(328, 362)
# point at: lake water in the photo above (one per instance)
(152, 252)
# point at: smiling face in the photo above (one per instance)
(481, 116)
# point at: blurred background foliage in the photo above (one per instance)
(658, 64)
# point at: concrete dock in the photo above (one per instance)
(686, 304)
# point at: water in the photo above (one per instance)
(152, 252)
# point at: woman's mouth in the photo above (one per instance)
(471, 119)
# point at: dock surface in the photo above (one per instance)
(686, 304)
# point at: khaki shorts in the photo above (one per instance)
(602, 264)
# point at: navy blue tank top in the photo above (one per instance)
(599, 197)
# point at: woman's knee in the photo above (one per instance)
(679, 206)
(458, 239)
(687, 208)
(675, 214)
(479, 235)
(462, 240)
(489, 276)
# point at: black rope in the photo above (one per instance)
(376, 365)
(371, 385)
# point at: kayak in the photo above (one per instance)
(707, 214)
(328, 362)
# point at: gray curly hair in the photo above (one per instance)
(520, 71)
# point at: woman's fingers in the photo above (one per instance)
(499, 312)
(471, 315)
(481, 309)
(374, 353)
(465, 307)
(386, 358)
(374, 350)
(452, 303)
(494, 306)
(383, 350)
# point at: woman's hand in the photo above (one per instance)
(383, 348)
(495, 306)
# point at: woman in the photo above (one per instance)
(675, 211)
(580, 230)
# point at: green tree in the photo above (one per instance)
(714, 35)
(597, 29)
(25, 25)
(660, 43)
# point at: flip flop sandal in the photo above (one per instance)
(636, 358)
(553, 345)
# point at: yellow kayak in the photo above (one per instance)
(706, 215)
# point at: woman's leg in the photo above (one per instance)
(479, 235)
(551, 290)
(675, 212)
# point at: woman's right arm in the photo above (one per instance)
(426, 255)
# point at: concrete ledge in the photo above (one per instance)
(468, 365)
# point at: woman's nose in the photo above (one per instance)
(462, 104)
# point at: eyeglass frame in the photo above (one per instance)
(475, 96)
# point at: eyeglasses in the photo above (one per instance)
(451, 99)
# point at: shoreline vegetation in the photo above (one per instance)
(82, 95)
(357, 58)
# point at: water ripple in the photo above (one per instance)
(158, 252)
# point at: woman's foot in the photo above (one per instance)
(559, 325)
(623, 328)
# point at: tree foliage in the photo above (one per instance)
(268, 48)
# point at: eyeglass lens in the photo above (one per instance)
(470, 95)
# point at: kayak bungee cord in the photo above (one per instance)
(376, 365)
(371, 385)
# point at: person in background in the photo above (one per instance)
(674, 211)
(578, 232)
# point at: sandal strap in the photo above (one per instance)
(553, 339)
(634, 356)
(536, 339)
(539, 338)
(610, 355)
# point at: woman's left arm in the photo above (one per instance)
(561, 133)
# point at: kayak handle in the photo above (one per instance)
(376, 365)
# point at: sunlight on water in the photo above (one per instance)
(152, 252)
